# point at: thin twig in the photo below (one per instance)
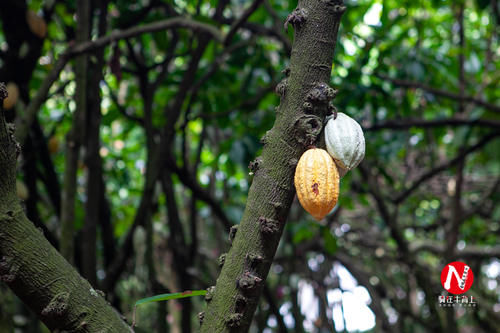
(171, 23)
(431, 173)
(217, 63)
(469, 252)
(442, 93)
(244, 104)
(242, 19)
(25, 122)
(121, 108)
(403, 125)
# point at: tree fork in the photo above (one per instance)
(34, 270)
(305, 98)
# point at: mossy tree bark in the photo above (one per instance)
(34, 270)
(305, 102)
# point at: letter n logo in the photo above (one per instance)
(457, 277)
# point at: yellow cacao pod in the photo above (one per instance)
(22, 191)
(53, 145)
(317, 182)
(36, 24)
(13, 96)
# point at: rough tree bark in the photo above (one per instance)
(34, 270)
(305, 97)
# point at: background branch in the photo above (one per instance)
(421, 123)
(431, 173)
(441, 93)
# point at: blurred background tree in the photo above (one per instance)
(139, 149)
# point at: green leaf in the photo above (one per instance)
(304, 232)
(329, 240)
(166, 297)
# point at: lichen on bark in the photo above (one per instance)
(305, 97)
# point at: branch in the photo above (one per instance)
(389, 219)
(442, 93)
(469, 252)
(431, 173)
(242, 19)
(402, 244)
(156, 156)
(482, 203)
(34, 270)
(357, 269)
(177, 245)
(405, 124)
(217, 62)
(265, 31)
(171, 23)
(271, 194)
(122, 109)
(201, 194)
(452, 229)
(143, 211)
(274, 309)
(76, 136)
(249, 103)
(24, 123)
(164, 69)
(46, 282)
(363, 278)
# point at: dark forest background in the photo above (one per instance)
(135, 157)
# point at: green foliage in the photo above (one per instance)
(223, 119)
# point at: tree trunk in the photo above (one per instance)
(305, 97)
(34, 270)
(93, 158)
(76, 136)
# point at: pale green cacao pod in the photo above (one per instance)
(345, 142)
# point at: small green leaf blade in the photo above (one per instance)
(329, 241)
(166, 297)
